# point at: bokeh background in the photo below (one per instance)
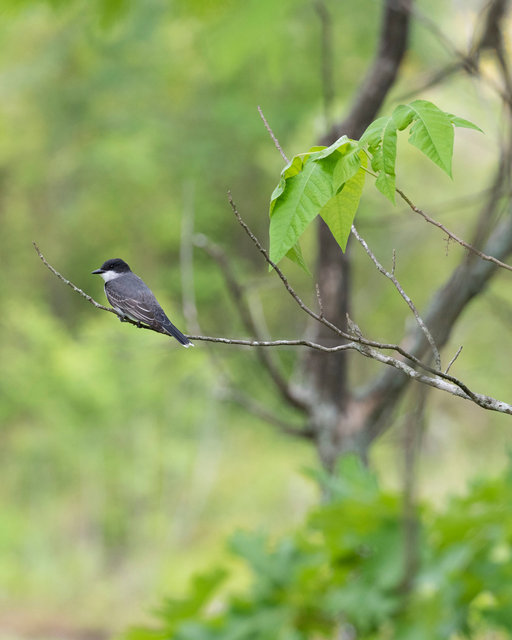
(123, 464)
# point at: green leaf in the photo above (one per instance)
(432, 133)
(295, 255)
(338, 145)
(348, 165)
(338, 213)
(461, 122)
(389, 138)
(373, 134)
(307, 183)
(403, 116)
(305, 194)
(386, 184)
(202, 589)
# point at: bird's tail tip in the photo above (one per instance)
(173, 331)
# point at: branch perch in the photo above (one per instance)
(367, 348)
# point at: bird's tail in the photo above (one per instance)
(176, 333)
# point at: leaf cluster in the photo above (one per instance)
(344, 568)
(328, 181)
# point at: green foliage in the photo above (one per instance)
(344, 567)
(328, 181)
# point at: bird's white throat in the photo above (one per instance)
(110, 275)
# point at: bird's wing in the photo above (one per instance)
(144, 308)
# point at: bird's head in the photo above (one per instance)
(112, 269)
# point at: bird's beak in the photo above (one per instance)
(98, 271)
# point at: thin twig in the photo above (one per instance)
(272, 135)
(453, 359)
(451, 235)
(319, 300)
(74, 287)
(399, 288)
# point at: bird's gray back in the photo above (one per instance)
(131, 286)
(132, 296)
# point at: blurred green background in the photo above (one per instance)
(123, 467)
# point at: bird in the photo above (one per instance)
(130, 296)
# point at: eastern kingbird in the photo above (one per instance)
(133, 299)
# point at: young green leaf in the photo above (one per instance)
(386, 179)
(432, 133)
(302, 196)
(295, 255)
(307, 183)
(461, 122)
(403, 116)
(340, 144)
(348, 165)
(338, 213)
(386, 184)
(373, 134)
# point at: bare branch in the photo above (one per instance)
(276, 141)
(486, 402)
(453, 359)
(74, 287)
(451, 235)
(319, 300)
(399, 288)
(440, 380)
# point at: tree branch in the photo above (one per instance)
(272, 135)
(77, 289)
(399, 288)
(451, 235)
(466, 282)
(440, 380)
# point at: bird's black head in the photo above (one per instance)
(115, 264)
